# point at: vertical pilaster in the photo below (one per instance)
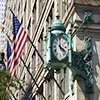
(56, 89)
(37, 10)
(27, 12)
(37, 57)
(31, 35)
(37, 17)
(45, 90)
(56, 6)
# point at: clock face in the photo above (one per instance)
(60, 47)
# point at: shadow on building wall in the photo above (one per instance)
(28, 95)
(95, 93)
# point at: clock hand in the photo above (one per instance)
(62, 48)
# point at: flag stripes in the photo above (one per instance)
(19, 40)
(8, 54)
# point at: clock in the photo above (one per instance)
(60, 47)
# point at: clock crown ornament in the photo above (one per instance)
(57, 25)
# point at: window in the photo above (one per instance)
(19, 10)
(67, 80)
(50, 17)
(33, 19)
(25, 6)
(50, 89)
(34, 62)
(29, 8)
(64, 81)
(65, 5)
(40, 50)
(24, 19)
(40, 41)
(41, 5)
(39, 96)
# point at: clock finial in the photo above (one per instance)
(57, 16)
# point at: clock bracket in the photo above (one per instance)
(80, 63)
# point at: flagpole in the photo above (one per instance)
(29, 72)
(10, 10)
(35, 49)
(10, 98)
(13, 95)
(22, 88)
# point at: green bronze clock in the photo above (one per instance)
(56, 46)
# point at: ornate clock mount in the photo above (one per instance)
(58, 56)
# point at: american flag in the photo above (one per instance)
(19, 40)
(8, 54)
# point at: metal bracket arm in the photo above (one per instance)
(87, 16)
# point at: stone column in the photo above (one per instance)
(45, 85)
(56, 89)
(37, 10)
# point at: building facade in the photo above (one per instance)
(36, 16)
(2, 9)
(2, 31)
